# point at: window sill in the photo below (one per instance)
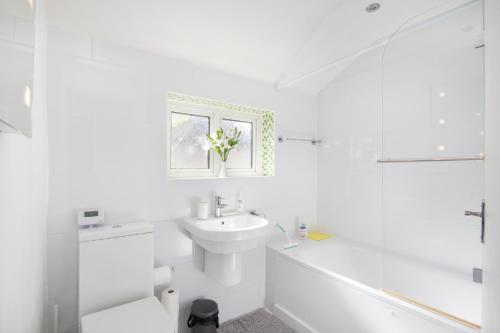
(216, 177)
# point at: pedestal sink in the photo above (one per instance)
(223, 240)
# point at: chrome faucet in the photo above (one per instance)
(219, 205)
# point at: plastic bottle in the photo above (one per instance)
(302, 233)
(241, 203)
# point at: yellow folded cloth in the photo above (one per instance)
(318, 236)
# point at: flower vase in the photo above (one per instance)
(222, 173)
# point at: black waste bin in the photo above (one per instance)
(204, 317)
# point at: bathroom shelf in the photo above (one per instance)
(433, 159)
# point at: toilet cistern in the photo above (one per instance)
(116, 292)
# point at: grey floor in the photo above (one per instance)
(259, 321)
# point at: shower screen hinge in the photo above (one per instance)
(477, 275)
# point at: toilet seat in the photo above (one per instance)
(144, 316)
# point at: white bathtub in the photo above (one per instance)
(336, 286)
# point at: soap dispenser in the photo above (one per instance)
(241, 203)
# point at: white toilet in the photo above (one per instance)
(115, 291)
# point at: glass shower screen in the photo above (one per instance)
(432, 168)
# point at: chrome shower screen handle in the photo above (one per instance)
(483, 206)
(480, 214)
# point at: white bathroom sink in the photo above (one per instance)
(222, 241)
(227, 234)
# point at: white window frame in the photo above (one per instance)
(216, 116)
(256, 121)
(175, 173)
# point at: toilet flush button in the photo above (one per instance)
(116, 226)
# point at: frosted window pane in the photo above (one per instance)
(241, 158)
(189, 146)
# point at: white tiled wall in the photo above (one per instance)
(350, 125)
(108, 149)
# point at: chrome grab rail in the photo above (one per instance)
(434, 159)
(282, 139)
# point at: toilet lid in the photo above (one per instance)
(144, 316)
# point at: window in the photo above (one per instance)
(188, 144)
(243, 157)
(190, 119)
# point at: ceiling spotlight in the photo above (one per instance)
(373, 7)
(27, 96)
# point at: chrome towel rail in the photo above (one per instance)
(433, 159)
(283, 139)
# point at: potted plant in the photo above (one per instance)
(223, 144)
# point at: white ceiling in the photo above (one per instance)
(275, 41)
